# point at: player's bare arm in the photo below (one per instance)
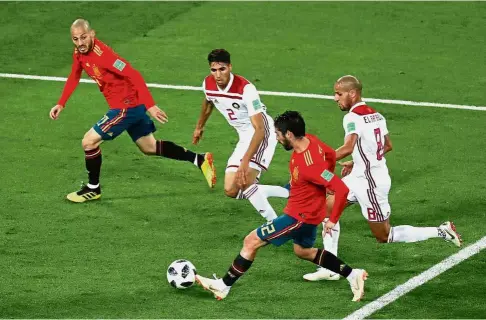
(206, 110)
(388, 144)
(259, 126)
(347, 148)
(71, 84)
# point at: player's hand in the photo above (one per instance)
(55, 111)
(197, 135)
(242, 173)
(158, 114)
(328, 226)
(347, 167)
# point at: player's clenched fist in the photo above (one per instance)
(158, 114)
(328, 226)
(347, 167)
(197, 135)
(55, 111)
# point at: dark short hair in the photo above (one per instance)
(290, 121)
(219, 55)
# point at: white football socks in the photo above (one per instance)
(260, 202)
(273, 191)
(412, 234)
(331, 240)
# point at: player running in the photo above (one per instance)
(129, 99)
(239, 102)
(305, 210)
(367, 140)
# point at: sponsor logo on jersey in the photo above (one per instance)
(120, 65)
(327, 175)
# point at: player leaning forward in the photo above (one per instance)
(305, 210)
(239, 102)
(367, 140)
(129, 99)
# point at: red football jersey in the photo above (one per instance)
(122, 85)
(311, 172)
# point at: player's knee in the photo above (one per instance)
(250, 243)
(382, 238)
(147, 150)
(302, 253)
(88, 144)
(298, 252)
(231, 192)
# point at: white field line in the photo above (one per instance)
(419, 280)
(268, 93)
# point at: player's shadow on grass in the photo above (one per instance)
(141, 196)
(194, 292)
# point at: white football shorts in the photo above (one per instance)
(372, 195)
(260, 161)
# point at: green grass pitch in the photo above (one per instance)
(108, 259)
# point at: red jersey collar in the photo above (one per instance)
(362, 103)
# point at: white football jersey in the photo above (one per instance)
(237, 103)
(370, 126)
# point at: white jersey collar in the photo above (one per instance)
(228, 86)
(362, 103)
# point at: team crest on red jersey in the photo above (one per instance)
(96, 71)
(295, 174)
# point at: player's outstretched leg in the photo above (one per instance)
(274, 191)
(446, 231)
(92, 190)
(221, 287)
(259, 201)
(355, 277)
(204, 161)
(330, 241)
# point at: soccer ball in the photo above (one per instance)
(181, 274)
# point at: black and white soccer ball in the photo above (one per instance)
(181, 274)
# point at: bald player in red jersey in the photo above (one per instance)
(305, 210)
(128, 99)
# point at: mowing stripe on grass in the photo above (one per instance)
(268, 93)
(419, 280)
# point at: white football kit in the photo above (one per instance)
(237, 103)
(369, 182)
